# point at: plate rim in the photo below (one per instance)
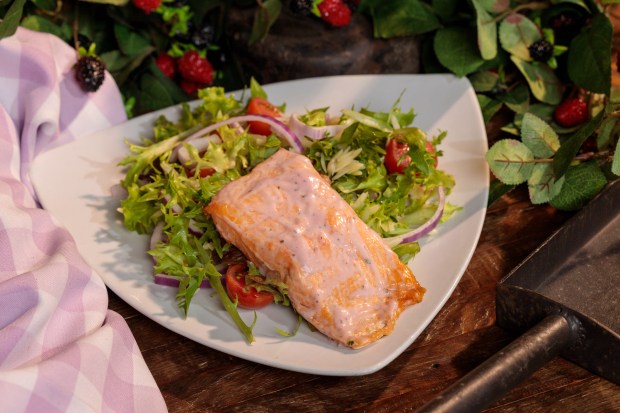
(36, 173)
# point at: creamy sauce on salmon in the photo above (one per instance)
(341, 276)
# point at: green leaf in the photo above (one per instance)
(265, 16)
(542, 185)
(565, 155)
(397, 18)
(487, 32)
(131, 43)
(510, 161)
(112, 2)
(517, 33)
(483, 80)
(446, 9)
(543, 82)
(488, 106)
(48, 5)
(539, 136)
(11, 19)
(589, 56)
(518, 99)
(606, 132)
(154, 94)
(43, 24)
(582, 183)
(543, 111)
(494, 6)
(576, 2)
(256, 90)
(456, 50)
(615, 164)
(115, 61)
(498, 189)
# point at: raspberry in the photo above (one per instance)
(166, 64)
(89, 72)
(189, 87)
(335, 12)
(541, 50)
(147, 6)
(195, 68)
(571, 112)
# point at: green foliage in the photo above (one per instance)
(128, 40)
(589, 56)
(487, 41)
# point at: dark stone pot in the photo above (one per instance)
(301, 47)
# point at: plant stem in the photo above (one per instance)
(586, 156)
(536, 5)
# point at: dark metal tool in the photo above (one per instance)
(566, 297)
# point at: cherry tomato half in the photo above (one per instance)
(247, 297)
(396, 158)
(261, 106)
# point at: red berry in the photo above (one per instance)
(166, 64)
(147, 6)
(195, 68)
(571, 112)
(335, 12)
(190, 87)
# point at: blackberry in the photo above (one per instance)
(541, 50)
(301, 7)
(203, 37)
(89, 72)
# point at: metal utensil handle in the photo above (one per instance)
(504, 370)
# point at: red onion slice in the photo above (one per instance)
(157, 235)
(314, 133)
(425, 228)
(170, 281)
(277, 127)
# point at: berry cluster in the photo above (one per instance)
(191, 70)
(185, 60)
(336, 13)
(89, 69)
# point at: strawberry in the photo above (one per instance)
(195, 68)
(335, 12)
(166, 64)
(147, 6)
(571, 112)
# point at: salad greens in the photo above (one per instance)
(166, 196)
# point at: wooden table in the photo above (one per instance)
(194, 378)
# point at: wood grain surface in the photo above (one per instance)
(194, 378)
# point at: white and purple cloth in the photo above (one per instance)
(61, 349)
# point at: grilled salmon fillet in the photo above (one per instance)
(341, 276)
